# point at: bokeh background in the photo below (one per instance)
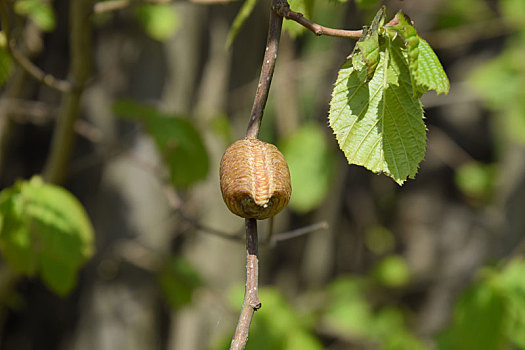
(434, 264)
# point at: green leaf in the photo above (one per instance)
(311, 164)
(44, 229)
(178, 280)
(245, 12)
(39, 11)
(176, 138)
(425, 69)
(478, 320)
(160, 21)
(378, 122)
(366, 50)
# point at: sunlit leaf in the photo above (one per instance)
(425, 69)
(366, 50)
(44, 229)
(160, 21)
(378, 122)
(39, 11)
(177, 140)
(311, 164)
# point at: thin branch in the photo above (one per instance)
(317, 29)
(24, 62)
(268, 66)
(79, 72)
(35, 72)
(323, 225)
(251, 302)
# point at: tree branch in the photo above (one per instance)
(268, 66)
(317, 29)
(79, 73)
(251, 302)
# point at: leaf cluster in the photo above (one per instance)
(375, 110)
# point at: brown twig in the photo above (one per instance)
(323, 225)
(251, 302)
(268, 66)
(317, 29)
(24, 62)
(35, 72)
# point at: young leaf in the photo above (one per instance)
(366, 50)
(45, 230)
(245, 12)
(425, 69)
(177, 140)
(378, 122)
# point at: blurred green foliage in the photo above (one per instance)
(5, 65)
(178, 280)
(490, 314)
(277, 325)
(306, 7)
(177, 140)
(379, 240)
(39, 12)
(44, 230)
(312, 166)
(160, 21)
(476, 181)
(392, 272)
(499, 82)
